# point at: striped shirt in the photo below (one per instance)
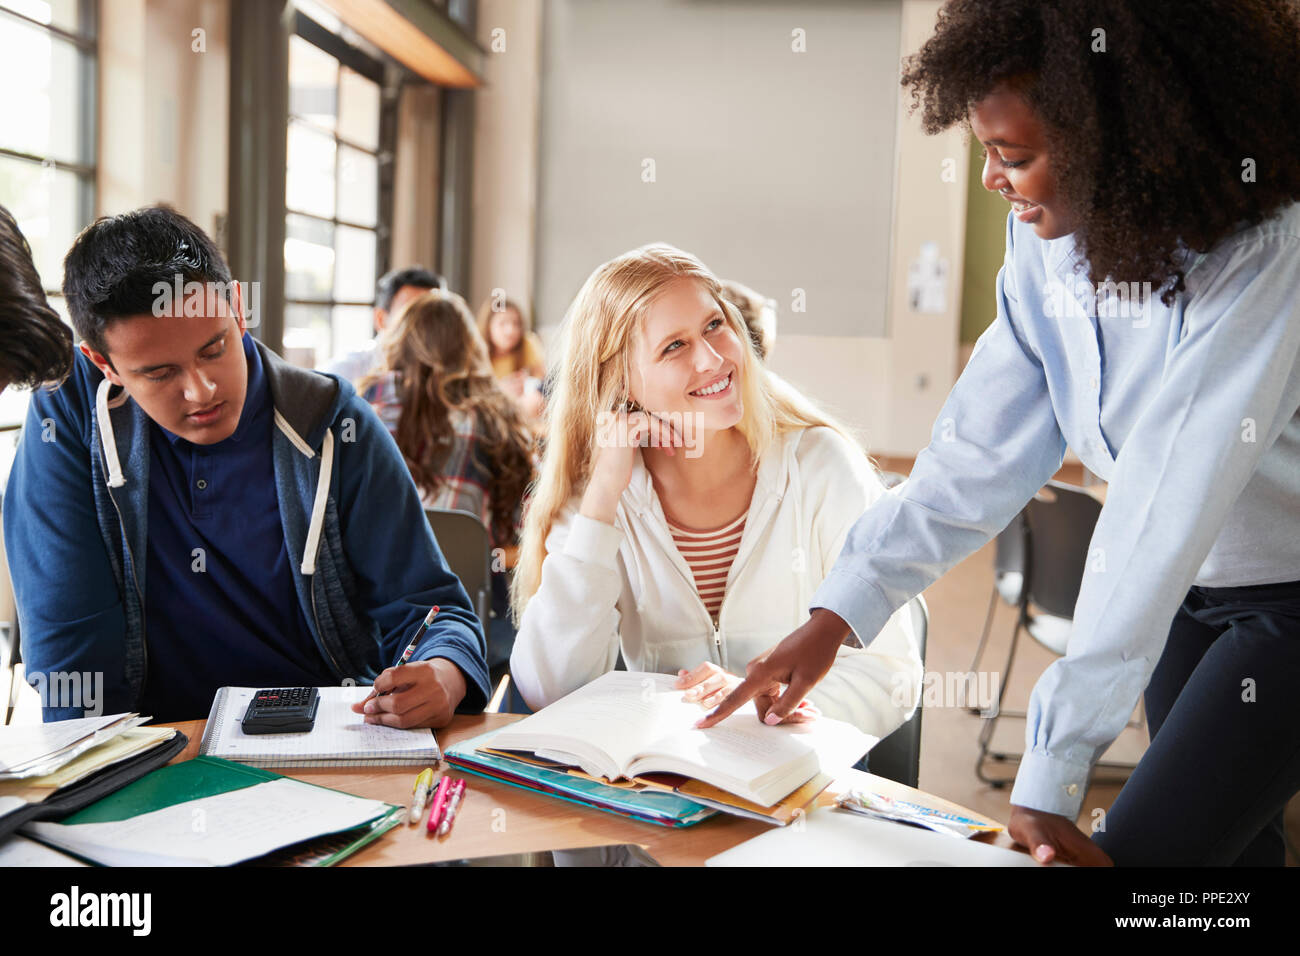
(709, 555)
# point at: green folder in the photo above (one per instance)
(208, 776)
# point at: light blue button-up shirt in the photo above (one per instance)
(1189, 412)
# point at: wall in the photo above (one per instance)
(986, 241)
(755, 135)
(416, 178)
(887, 382)
(890, 387)
(503, 223)
(163, 107)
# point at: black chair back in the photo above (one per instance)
(898, 756)
(1061, 521)
(467, 548)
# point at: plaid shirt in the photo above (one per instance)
(464, 475)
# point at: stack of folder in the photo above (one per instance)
(48, 771)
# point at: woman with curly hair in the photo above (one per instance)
(462, 437)
(1148, 318)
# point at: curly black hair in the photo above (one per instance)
(1149, 135)
(35, 344)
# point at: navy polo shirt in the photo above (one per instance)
(220, 604)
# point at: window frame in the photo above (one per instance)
(365, 65)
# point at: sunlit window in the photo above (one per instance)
(331, 247)
(47, 139)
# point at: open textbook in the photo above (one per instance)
(625, 724)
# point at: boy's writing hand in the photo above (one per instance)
(420, 694)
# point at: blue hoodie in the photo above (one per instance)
(75, 522)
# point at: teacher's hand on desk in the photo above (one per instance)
(798, 662)
(419, 694)
(1051, 837)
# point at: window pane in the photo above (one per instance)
(309, 182)
(354, 326)
(42, 75)
(64, 14)
(358, 187)
(354, 272)
(358, 109)
(45, 202)
(313, 83)
(307, 335)
(308, 258)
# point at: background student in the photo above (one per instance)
(758, 313)
(463, 438)
(515, 351)
(35, 344)
(698, 549)
(1139, 142)
(392, 293)
(189, 511)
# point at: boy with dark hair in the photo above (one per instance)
(35, 345)
(189, 511)
(394, 291)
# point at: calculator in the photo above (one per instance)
(284, 710)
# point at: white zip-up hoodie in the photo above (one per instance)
(626, 585)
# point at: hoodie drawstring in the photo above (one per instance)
(318, 505)
(115, 479)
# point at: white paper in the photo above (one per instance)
(216, 831)
(17, 850)
(27, 749)
(829, 837)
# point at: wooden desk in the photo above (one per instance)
(497, 819)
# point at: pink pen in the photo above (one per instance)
(439, 801)
(453, 806)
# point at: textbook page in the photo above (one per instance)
(639, 723)
(605, 723)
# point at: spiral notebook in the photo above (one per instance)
(340, 737)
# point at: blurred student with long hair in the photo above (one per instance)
(463, 438)
(515, 351)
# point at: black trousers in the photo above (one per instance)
(1223, 707)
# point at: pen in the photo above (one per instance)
(410, 648)
(439, 801)
(423, 784)
(453, 806)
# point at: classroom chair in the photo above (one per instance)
(1056, 529)
(1008, 581)
(898, 756)
(8, 629)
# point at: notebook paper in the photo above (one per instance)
(339, 738)
(216, 831)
